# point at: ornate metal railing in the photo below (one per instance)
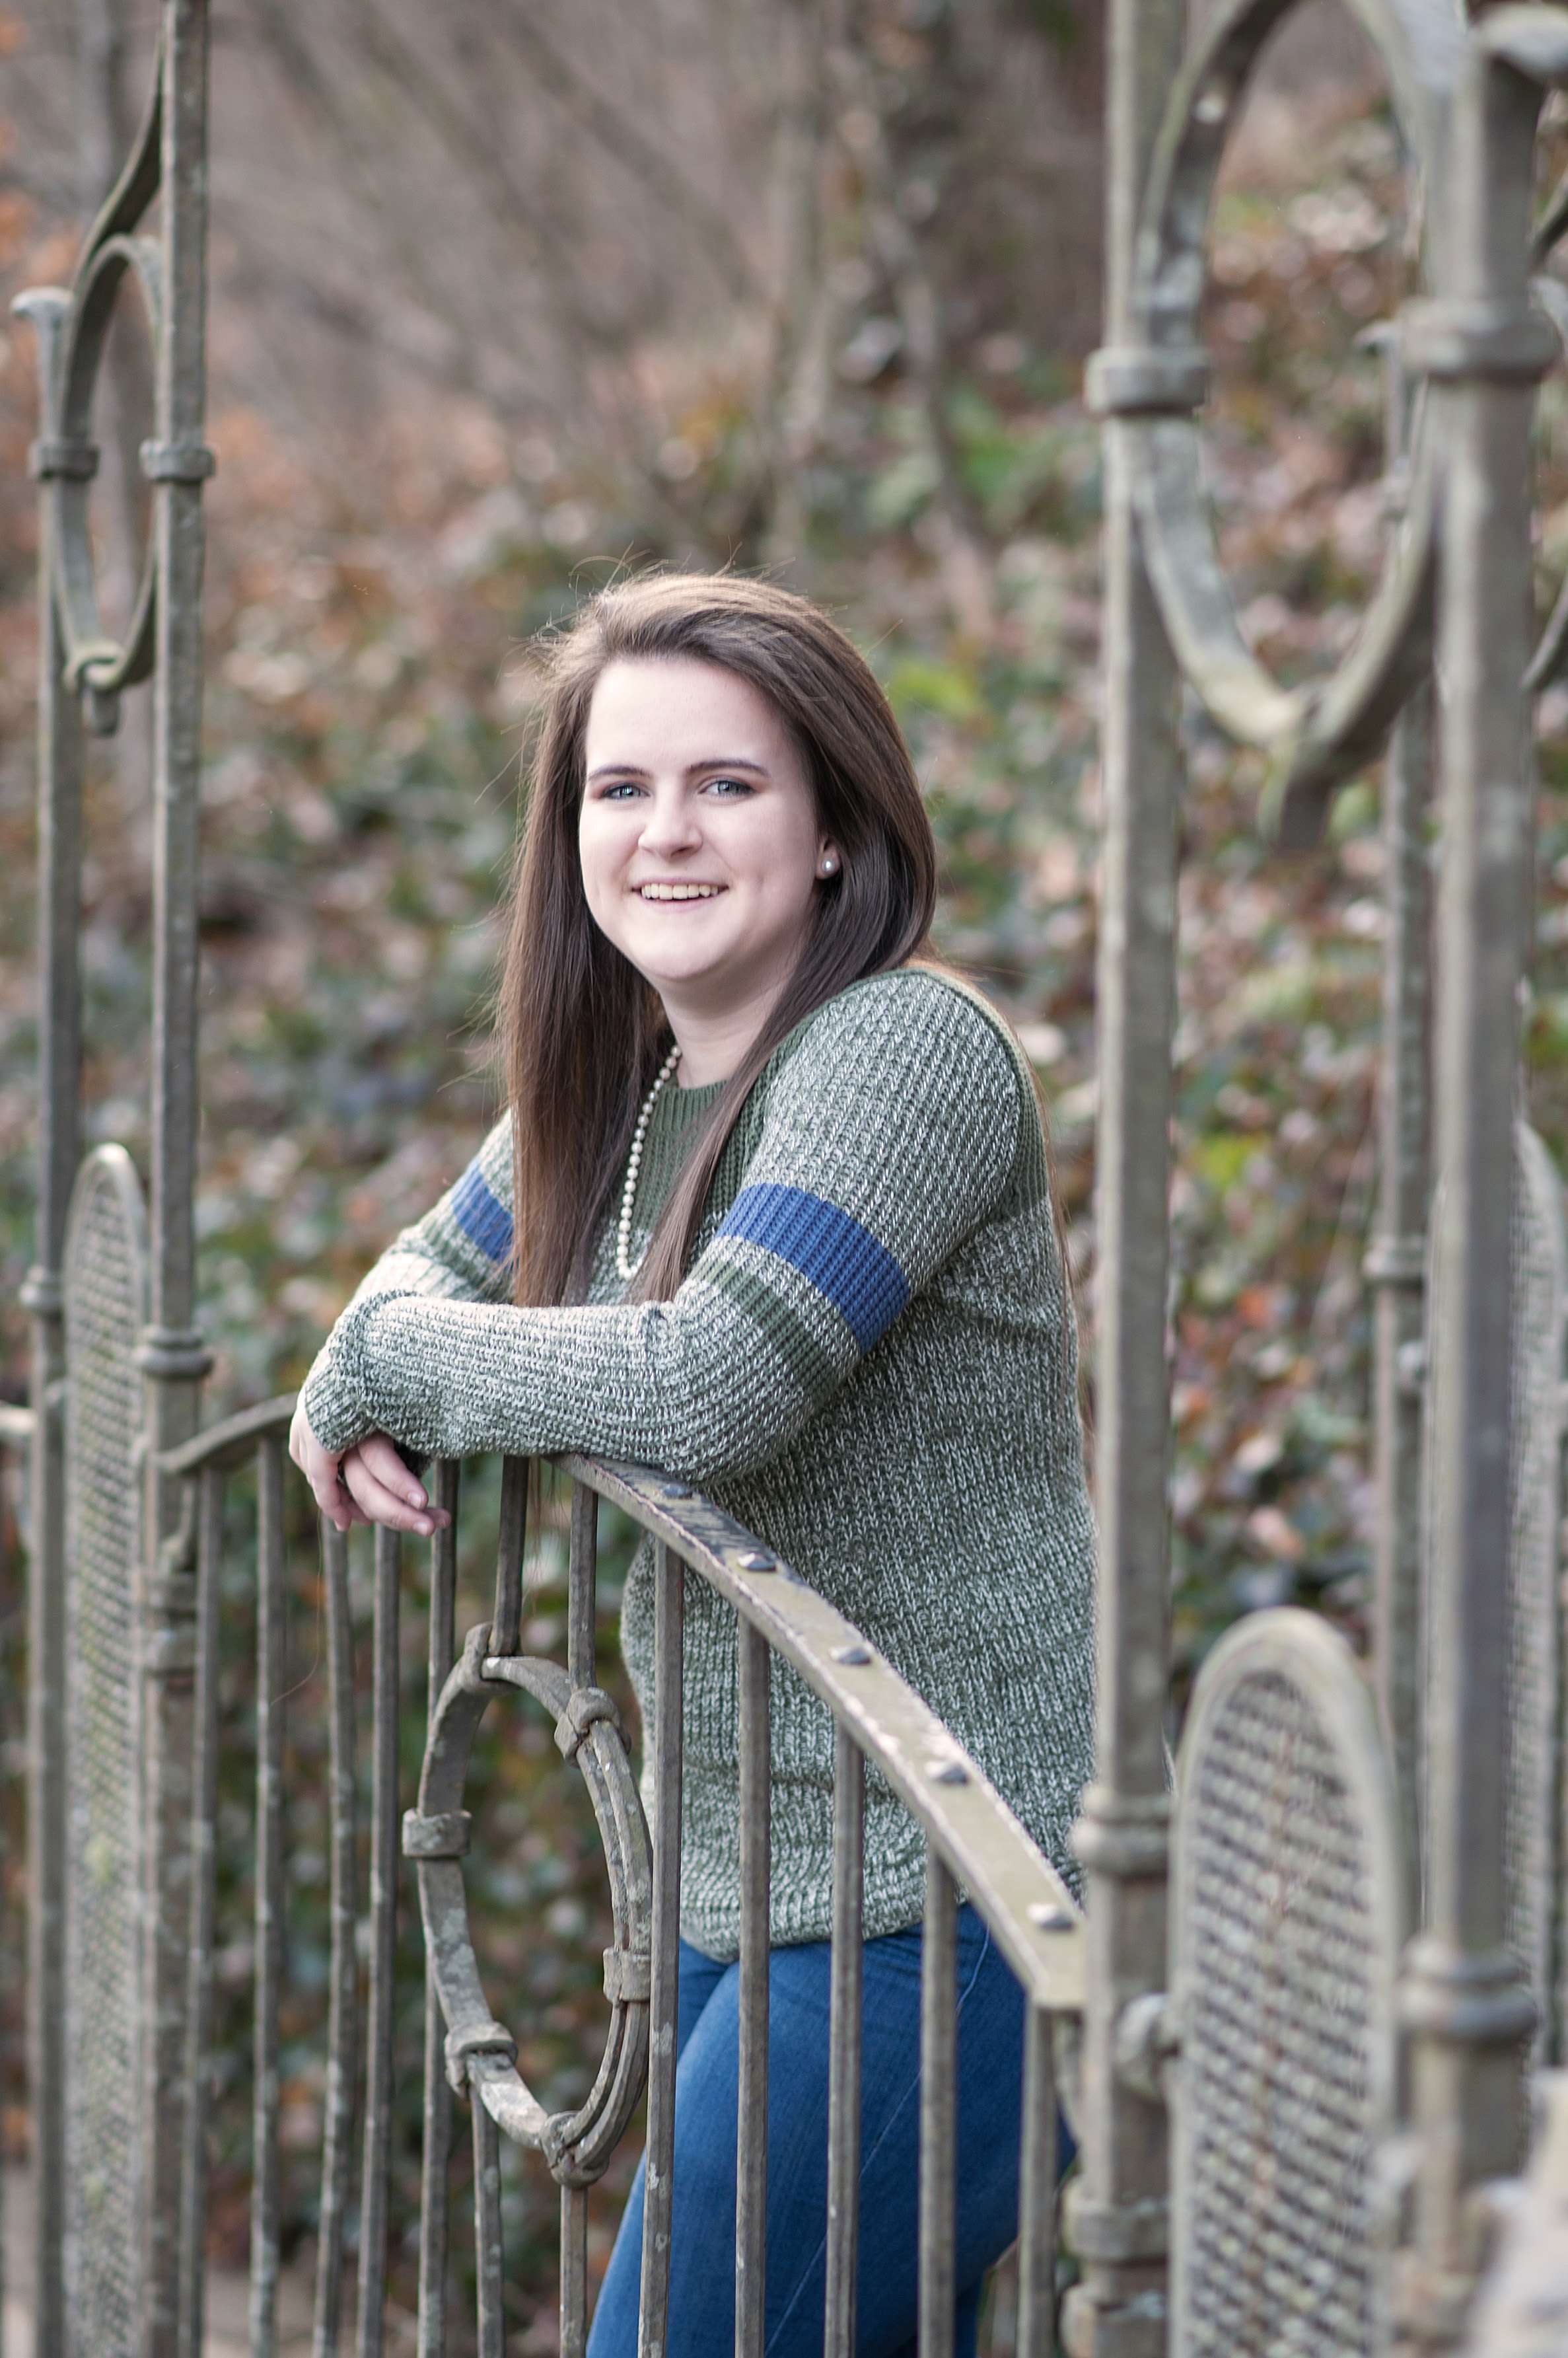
(1309, 2034)
(969, 1835)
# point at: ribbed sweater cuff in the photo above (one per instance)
(334, 1404)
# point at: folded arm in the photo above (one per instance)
(889, 1135)
(458, 1253)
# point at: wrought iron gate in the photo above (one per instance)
(1298, 2044)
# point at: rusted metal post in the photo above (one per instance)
(172, 1353)
(669, 1638)
(1396, 1259)
(438, 2138)
(1118, 2213)
(751, 2149)
(1464, 2001)
(938, 2106)
(844, 2042)
(59, 1146)
(268, 1953)
(379, 2017)
(1395, 1263)
(82, 673)
(343, 2018)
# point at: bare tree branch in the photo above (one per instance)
(624, 139)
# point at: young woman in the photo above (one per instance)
(770, 1209)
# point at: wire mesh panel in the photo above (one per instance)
(1530, 1731)
(1284, 1931)
(106, 1283)
(1531, 1727)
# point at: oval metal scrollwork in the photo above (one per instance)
(73, 329)
(481, 2054)
(92, 658)
(1320, 734)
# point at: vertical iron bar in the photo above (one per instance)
(172, 1352)
(1121, 1834)
(342, 2015)
(488, 2254)
(433, 2190)
(507, 1619)
(844, 2044)
(582, 1591)
(574, 2271)
(751, 2156)
(1396, 1260)
(1464, 1997)
(203, 1854)
(59, 761)
(938, 2106)
(383, 1949)
(1037, 2193)
(669, 1611)
(268, 1963)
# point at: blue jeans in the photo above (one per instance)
(702, 2260)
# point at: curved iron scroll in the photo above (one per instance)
(1318, 734)
(480, 2054)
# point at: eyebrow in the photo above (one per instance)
(631, 770)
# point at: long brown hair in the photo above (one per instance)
(580, 1031)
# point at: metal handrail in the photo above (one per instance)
(1018, 1892)
(1024, 1898)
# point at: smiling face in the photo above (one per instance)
(701, 848)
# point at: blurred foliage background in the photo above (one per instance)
(506, 297)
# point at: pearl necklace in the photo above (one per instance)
(624, 1260)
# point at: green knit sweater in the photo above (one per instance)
(871, 1363)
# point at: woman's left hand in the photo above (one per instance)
(367, 1484)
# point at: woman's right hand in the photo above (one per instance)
(367, 1484)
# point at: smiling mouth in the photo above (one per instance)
(678, 891)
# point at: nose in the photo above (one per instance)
(671, 825)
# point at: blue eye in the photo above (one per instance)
(740, 784)
(621, 786)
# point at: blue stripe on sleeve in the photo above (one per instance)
(841, 1259)
(483, 1220)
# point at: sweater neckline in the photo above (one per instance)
(676, 1110)
(676, 1118)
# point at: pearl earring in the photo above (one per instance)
(830, 863)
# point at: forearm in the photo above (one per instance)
(457, 1252)
(694, 1385)
(882, 1150)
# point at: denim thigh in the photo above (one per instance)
(702, 2261)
